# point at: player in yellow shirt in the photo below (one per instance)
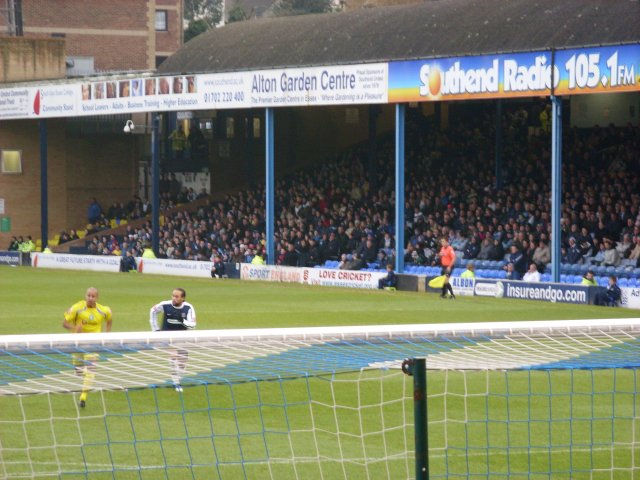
(87, 316)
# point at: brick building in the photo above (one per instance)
(112, 35)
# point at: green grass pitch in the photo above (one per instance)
(241, 425)
(35, 300)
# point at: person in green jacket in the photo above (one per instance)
(148, 252)
(27, 246)
(469, 272)
(589, 280)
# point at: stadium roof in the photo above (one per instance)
(440, 28)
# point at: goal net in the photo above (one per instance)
(504, 400)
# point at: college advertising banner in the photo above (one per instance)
(593, 70)
(311, 276)
(550, 292)
(335, 85)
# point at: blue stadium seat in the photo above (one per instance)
(563, 278)
(501, 274)
(620, 272)
(623, 282)
(576, 278)
(584, 268)
(600, 270)
(602, 281)
(545, 277)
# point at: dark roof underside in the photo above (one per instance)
(437, 28)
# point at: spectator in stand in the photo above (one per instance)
(542, 255)
(344, 262)
(611, 255)
(518, 260)
(532, 275)
(624, 246)
(356, 263)
(634, 254)
(472, 249)
(331, 250)
(589, 280)
(291, 256)
(512, 273)
(574, 253)
(14, 245)
(313, 254)
(368, 252)
(497, 251)
(611, 295)
(486, 250)
(94, 211)
(600, 247)
(585, 242)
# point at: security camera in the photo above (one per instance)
(129, 126)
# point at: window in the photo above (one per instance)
(11, 161)
(161, 20)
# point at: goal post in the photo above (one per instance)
(548, 399)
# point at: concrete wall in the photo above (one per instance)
(24, 59)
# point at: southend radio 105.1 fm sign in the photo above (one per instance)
(566, 72)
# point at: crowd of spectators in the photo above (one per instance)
(343, 209)
(172, 194)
